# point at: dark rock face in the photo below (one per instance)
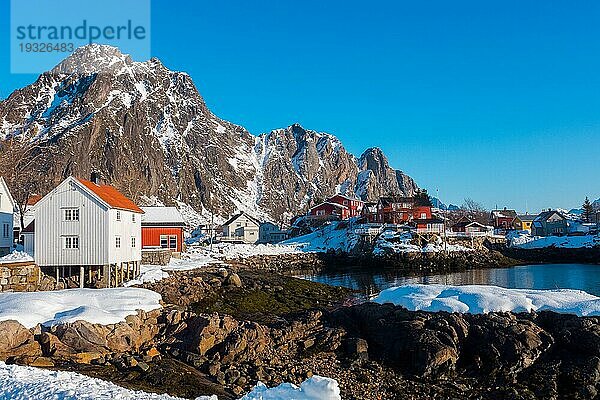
(149, 132)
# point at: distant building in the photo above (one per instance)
(502, 219)
(355, 205)
(549, 223)
(28, 238)
(7, 209)
(162, 227)
(88, 230)
(523, 222)
(429, 225)
(330, 210)
(241, 228)
(271, 233)
(369, 212)
(468, 227)
(395, 209)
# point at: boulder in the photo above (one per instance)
(17, 341)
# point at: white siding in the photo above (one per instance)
(126, 229)
(50, 228)
(242, 228)
(6, 218)
(29, 244)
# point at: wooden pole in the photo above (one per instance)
(81, 276)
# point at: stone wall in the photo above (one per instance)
(19, 277)
(156, 256)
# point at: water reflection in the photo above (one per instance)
(549, 276)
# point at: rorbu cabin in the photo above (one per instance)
(162, 227)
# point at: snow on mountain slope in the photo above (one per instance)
(149, 132)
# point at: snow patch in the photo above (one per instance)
(16, 256)
(314, 388)
(482, 299)
(96, 306)
(524, 240)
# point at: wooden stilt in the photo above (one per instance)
(81, 276)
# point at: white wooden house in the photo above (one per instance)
(90, 230)
(241, 228)
(7, 208)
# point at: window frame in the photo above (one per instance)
(71, 214)
(117, 242)
(133, 242)
(70, 242)
(118, 216)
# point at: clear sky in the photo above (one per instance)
(497, 100)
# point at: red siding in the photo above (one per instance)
(151, 236)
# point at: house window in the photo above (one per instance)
(71, 214)
(118, 215)
(173, 242)
(71, 242)
(132, 217)
(164, 241)
(423, 215)
(5, 229)
(118, 242)
(320, 212)
(133, 241)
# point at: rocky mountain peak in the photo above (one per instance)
(149, 132)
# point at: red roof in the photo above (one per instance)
(111, 196)
(33, 199)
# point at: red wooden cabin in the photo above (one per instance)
(355, 206)
(162, 227)
(330, 209)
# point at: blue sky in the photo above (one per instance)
(498, 101)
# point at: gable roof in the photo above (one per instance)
(505, 213)
(526, 217)
(386, 200)
(111, 196)
(544, 215)
(164, 216)
(33, 199)
(343, 196)
(328, 203)
(236, 216)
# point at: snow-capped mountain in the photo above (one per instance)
(149, 132)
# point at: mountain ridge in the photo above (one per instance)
(149, 132)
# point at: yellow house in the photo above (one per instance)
(523, 222)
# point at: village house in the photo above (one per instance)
(7, 208)
(429, 225)
(502, 219)
(523, 222)
(241, 228)
(354, 205)
(329, 210)
(549, 223)
(395, 209)
(162, 227)
(271, 233)
(468, 227)
(88, 231)
(369, 212)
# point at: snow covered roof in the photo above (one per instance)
(544, 215)
(505, 213)
(162, 216)
(338, 205)
(526, 217)
(236, 216)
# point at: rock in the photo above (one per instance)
(214, 368)
(142, 366)
(233, 280)
(231, 376)
(358, 347)
(223, 272)
(16, 341)
(85, 357)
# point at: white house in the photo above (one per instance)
(7, 208)
(91, 227)
(271, 233)
(241, 228)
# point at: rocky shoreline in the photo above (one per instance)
(223, 330)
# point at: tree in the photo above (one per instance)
(471, 205)
(422, 198)
(588, 210)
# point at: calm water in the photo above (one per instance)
(546, 276)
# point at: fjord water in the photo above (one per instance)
(540, 276)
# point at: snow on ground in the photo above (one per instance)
(236, 250)
(195, 258)
(25, 383)
(16, 256)
(400, 242)
(337, 235)
(97, 306)
(481, 299)
(523, 240)
(314, 388)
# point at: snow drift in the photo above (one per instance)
(482, 299)
(314, 388)
(97, 306)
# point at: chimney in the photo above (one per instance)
(95, 177)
